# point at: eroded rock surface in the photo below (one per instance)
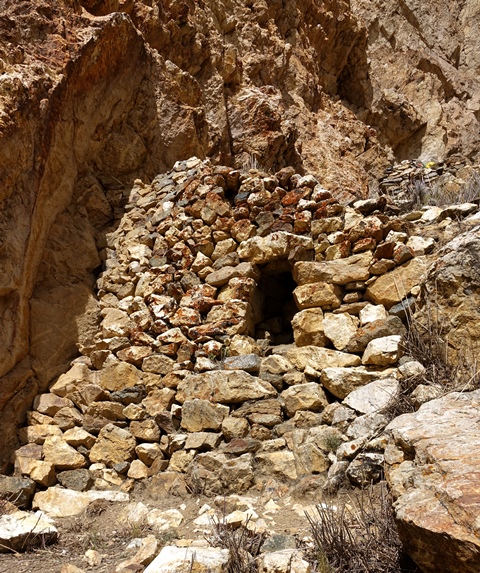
(422, 66)
(450, 300)
(433, 470)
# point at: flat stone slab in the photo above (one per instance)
(20, 531)
(340, 271)
(374, 396)
(392, 287)
(58, 502)
(184, 560)
(319, 358)
(224, 387)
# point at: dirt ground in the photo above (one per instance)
(100, 529)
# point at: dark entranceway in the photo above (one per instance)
(276, 286)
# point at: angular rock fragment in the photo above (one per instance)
(22, 531)
(383, 351)
(304, 397)
(215, 473)
(374, 397)
(63, 456)
(308, 328)
(321, 294)
(224, 387)
(320, 358)
(393, 287)
(339, 329)
(113, 445)
(179, 560)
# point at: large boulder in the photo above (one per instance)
(432, 465)
(391, 288)
(450, 299)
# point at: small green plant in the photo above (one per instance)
(167, 537)
(322, 564)
(220, 357)
(225, 352)
(331, 441)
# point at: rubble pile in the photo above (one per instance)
(251, 337)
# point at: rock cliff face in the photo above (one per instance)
(94, 94)
(416, 81)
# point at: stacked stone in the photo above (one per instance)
(178, 389)
(405, 181)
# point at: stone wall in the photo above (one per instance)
(185, 381)
(96, 94)
(89, 104)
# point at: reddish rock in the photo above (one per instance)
(367, 244)
(402, 253)
(384, 250)
(369, 227)
(293, 197)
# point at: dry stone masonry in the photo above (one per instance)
(251, 337)
(407, 178)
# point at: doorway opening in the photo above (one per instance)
(278, 307)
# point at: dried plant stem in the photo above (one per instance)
(243, 544)
(360, 537)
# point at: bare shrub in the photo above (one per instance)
(357, 537)
(427, 342)
(403, 403)
(251, 163)
(4, 507)
(84, 532)
(131, 529)
(422, 193)
(243, 543)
